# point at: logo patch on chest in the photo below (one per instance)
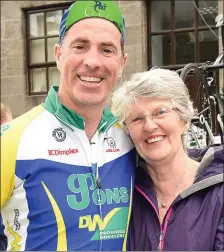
(112, 145)
(59, 134)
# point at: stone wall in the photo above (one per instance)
(136, 46)
(13, 59)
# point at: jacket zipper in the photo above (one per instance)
(162, 228)
(160, 241)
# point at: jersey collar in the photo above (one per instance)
(70, 118)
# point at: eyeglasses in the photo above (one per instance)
(138, 121)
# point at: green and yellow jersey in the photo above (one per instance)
(58, 190)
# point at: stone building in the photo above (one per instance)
(167, 33)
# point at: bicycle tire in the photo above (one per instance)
(204, 104)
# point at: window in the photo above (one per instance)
(178, 34)
(42, 35)
(182, 32)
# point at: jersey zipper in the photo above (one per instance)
(95, 144)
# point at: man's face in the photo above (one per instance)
(90, 61)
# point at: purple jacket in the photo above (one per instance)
(194, 221)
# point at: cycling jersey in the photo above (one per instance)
(60, 191)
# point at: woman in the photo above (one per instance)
(178, 203)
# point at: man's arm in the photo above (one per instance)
(10, 140)
(8, 160)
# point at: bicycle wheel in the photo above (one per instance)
(199, 94)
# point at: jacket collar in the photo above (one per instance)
(72, 119)
(210, 171)
(211, 161)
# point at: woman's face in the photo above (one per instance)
(155, 127)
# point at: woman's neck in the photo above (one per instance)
(171, 177)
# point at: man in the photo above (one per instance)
(67, 166)
(6, 116)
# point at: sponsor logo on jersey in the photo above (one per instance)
(16, 219)
(14, 244)
(59, 134)
(112, 145)
(112, 226)
(84, 188)
(62, 152)
(84, 193)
